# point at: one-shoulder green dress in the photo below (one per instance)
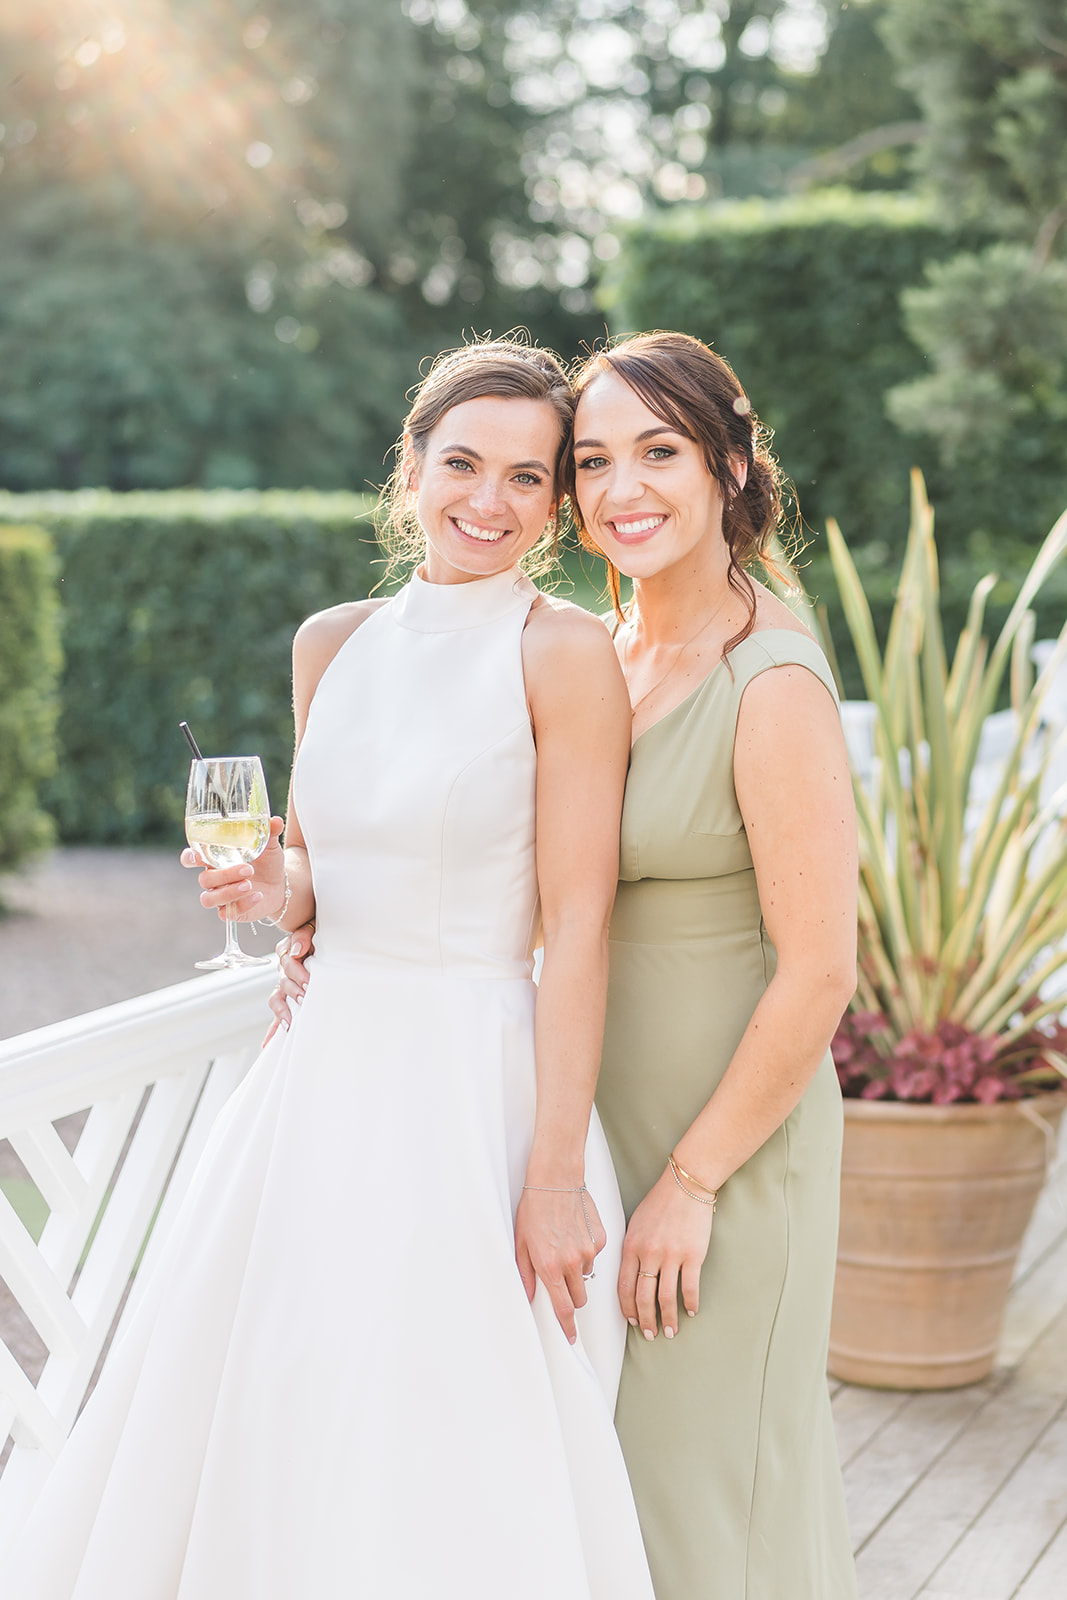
(726, 1429)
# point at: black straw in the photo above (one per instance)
(195, 748)
(190, 741)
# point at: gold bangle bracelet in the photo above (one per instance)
(701, 1200)
(688, 1176)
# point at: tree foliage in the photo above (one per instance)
(991, 76)
(179, 301)
(232, 233)
(854, 92)
(131, 357)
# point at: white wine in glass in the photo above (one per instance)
(227, 821)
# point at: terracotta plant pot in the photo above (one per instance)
(934, 1204)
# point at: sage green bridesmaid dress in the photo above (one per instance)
(726, 1429)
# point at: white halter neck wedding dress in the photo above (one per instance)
(334, 1387)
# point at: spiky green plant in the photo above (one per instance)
(955, 928)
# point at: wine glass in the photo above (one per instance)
(227, 820)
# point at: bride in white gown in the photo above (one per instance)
(365, 1367)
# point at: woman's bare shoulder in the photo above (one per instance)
(563, 618)
(773, 613)
(567, 633)
(319, 637)
(574, 684)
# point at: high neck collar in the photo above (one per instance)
(448, 607)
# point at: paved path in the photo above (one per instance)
(92, 926)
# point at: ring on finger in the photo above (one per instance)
(648, 1274)
(587, 1277)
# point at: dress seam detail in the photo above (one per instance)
(446, 807)
(489, 748)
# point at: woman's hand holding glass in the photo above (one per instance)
(254, 891)
(227, 824)
(235, 844)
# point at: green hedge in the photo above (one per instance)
(802, 297)
(29, 673)
(183, 604)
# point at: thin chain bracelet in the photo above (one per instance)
(276, 922)
(699, 1198)
(542, 1188)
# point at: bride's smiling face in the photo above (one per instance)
(485, 485)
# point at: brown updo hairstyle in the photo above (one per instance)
(688, 386)
(504, 369)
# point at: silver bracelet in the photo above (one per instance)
(276, 922)
(542, 1188)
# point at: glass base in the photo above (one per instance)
(240, 960)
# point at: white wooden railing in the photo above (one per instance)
(151, 1074)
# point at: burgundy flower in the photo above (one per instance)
(942, 1065)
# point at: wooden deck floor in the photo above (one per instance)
(962, 1495)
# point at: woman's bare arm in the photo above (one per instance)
(793, 788)
(258, 890)
(581, 721)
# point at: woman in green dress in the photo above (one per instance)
(732, 959)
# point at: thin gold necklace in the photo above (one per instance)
(704, 626)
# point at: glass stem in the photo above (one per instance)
(231, 947)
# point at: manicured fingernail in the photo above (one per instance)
(632, 1321)
(690, 1313)
(649, 1334)
(668, 1333)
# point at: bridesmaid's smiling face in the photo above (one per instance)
(644, 490)
(485, 485)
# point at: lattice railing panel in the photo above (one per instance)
(153, 1073)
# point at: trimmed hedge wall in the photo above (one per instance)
(802, 297)
(29, 675)
(177, 605)
(183, 605)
